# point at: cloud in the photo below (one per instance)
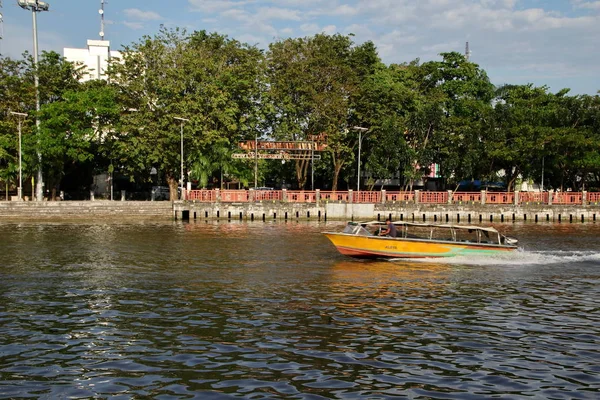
(133, 25)
(235, 14)
(309, 28)
(558, 37)
(278, 13)
(330, 29)
(591, 5)
(137, 14)
(211, 6)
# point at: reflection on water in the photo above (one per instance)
(270, 310)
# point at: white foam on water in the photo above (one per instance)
(515, 258)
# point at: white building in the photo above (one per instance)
(95, 58)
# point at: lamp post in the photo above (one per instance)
(312, 165)
(543, 157)
(360, 132)
(182, 120)
(255, 160)
(36, 6)
(20, 190)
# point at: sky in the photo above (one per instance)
(555, 43)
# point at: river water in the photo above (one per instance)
(212, 310)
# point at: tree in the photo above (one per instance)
(464, 92)
(312, 82)
(13, 97)
(523, 132)
(207, 78)
(78, 128)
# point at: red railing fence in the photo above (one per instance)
(424, 197)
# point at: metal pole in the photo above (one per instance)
(312, 166)
(183, 120)
(181, 195)
(358, 177)
(360, 131)
(39, 183)
(20, 189)
(542, 174)
(255, 161)
(20, 194)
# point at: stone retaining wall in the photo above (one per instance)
(475, 213)
(85, 209)
(275, 210)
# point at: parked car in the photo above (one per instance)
(262, 188)
(160, 193)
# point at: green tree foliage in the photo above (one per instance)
(312, 84)
(18, 94)
(464, 93)
(532, 124)
(79, 128)
(211, 80)
(14, 96)
(442, 112)
(216, 160)
(402, 120)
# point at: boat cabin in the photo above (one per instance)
(435, 232)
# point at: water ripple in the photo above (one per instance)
(202, 311)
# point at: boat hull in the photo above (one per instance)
(387, 247)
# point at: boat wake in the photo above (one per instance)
(515, 258)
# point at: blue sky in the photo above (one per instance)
(544, 42)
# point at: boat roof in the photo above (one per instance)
(425, 225)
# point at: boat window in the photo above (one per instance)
(363, 232)
(418, 232)
(350, 228)
(441, 234)
(467, 235)
(489, 237)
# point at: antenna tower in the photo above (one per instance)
(101, 12)
(1, 27)
(467, 52)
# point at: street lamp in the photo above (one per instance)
(255, 160)
(360, 132)
(182, 120)
(20, 190)
(36, 6)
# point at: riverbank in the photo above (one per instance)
(85, 209)
(280, 210)
(455, 213)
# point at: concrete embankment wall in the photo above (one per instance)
(85, 209)
(268, 210)
(474, 213)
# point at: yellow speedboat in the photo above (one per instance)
(415, 240)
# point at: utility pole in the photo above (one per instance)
(101, 12)
(360, 132)
(20, 190)
(467, 52)
(182, 120)
(1, 27)
(255, 160)
(36, 6)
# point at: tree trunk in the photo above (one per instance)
(172, 188)
(301, 169)
(337, 167)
